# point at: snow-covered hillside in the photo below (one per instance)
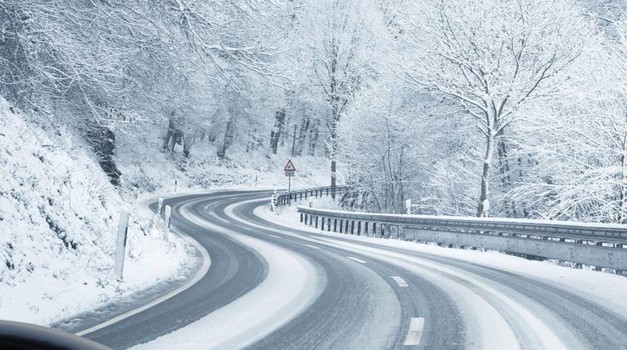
(58, 226)
(146, 169)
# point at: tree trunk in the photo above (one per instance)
(314, 133)
(483, 208)
(623, 188)
(228, 137)
(275, 134)
(506, 179)
(302, 137)
(294, 140)
(333, 178)
(169, 135)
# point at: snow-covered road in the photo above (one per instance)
(275, 284)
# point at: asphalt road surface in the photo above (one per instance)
(370, 296)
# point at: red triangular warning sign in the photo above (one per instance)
(289, 166)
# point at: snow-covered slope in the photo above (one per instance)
(58, 226)
(146, 169)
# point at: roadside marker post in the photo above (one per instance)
(273, 201)
(157, 217)
(120, 251)
(168, 214)
(159, 206)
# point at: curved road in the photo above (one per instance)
(353, 295)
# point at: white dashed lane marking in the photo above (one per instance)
(355, 259)
(401, 282)
(415, 331)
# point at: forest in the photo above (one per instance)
(511, 108)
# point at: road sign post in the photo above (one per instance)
(289, 169)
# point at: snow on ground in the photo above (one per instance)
(58, 227)
(607, 289)
(291, 285)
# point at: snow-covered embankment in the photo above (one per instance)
(58, 226)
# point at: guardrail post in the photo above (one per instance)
(352, 227)
(302, 217)
(358, 228)
(316, 221)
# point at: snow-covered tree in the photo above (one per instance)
(342, 44)
(383, 153)
(580, 141)
(492, 57)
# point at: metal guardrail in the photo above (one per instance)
(599, 245)
(285, 198)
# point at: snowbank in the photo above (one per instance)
(58, 226)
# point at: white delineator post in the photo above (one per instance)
(168, 214)
(273, 201)
(157, 217)
(159, 206)
(120, 251)
(408, 206)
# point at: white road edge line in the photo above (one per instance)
(206, 263)
(415, 331)
(275, 236)
(400, 281)
(312, 246)
(355, 259)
